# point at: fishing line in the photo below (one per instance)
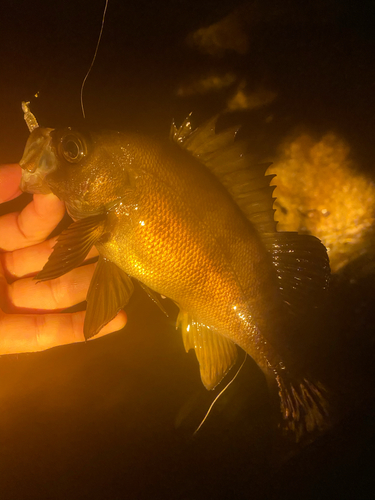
(93, 59)
(217, 397)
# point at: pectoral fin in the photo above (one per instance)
(72, 246)
(216, 354)
(110, 290)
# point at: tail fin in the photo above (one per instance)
(303, 405)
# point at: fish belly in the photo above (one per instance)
(224, 281)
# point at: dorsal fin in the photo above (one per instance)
(230, 162)
(302, 268)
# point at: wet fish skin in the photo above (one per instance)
(160, 215)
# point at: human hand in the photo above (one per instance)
(30, 317)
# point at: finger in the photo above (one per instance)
(30, 260)
(37, 332)
(28, 295)
(10, 177)
(116, 324)
(33, 224)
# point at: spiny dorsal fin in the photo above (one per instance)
(230, 162)
(216, 354)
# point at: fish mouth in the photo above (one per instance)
(33, 183)
(37, 162)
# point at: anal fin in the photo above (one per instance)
(216, 354)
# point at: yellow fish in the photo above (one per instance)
(191, 219)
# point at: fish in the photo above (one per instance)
(190, 218)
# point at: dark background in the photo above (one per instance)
(114, 418)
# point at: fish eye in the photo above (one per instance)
(73, 148)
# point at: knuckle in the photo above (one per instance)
(58, 290)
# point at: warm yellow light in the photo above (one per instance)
(319, 192)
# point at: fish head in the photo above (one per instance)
(88, 171)
(37, 162)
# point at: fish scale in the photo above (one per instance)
(191, 219)
(188, 267)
